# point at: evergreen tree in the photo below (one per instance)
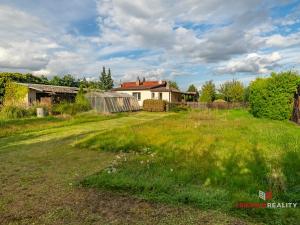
(192, 88)
(106, 82)
(110, 82)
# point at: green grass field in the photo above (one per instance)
(211, 160)
(147, 168)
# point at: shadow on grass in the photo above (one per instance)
(203, 180)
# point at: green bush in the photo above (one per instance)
(177, 108)
(154, 105)
(14, 112)
(69, 108)
(81, 105)
(273, 97)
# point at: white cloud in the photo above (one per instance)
(252, 63)
(178, 37)
(279, 41)
(150, 25)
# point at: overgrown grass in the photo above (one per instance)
(209, 159)
(15, 126)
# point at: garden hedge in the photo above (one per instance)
(273, 97)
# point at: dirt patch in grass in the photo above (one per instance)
(81, 206)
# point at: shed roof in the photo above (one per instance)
(51, 88)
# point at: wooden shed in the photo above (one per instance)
(47, 94)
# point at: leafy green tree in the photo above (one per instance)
(208, 92)
(44, 80)
(69, 80)
(173, 84)
(192, 88)
(56, 80)
(273, 97)
(84, 83)
(232, 91)
(106, 81)
(246, 94)
(16, 77)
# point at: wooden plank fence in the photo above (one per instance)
(214, 105)
(296, 110)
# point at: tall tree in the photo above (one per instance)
(68, 80)
(84, 83)
(173, 84)
(109, 80)
(208, 92)
(232, 91)
(56, 80)
(192, 88)
(106, 81)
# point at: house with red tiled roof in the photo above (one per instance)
(142, 90)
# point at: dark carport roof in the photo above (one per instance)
(51, 88)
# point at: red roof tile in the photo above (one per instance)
(142, 85)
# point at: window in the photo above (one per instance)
(153, 95)
(137, 95)
(160, 96)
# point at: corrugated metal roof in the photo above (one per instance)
(51, 88)
(110, 102)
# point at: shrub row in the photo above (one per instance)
(273, 97)
(154, 105)
(16, 112)
(69, 108)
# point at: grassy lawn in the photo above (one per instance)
(41, 167)
(208, 159)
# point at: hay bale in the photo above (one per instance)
(154, 105)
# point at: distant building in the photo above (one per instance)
(143, 90)
(47, 94)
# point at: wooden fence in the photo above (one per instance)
(296, 110)
(216, 105)
(202, 105)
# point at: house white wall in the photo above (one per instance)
(147, 94)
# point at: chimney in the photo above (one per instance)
(160, 82)
(144, 79)
(138, 81)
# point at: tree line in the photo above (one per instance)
(229, 91)
(271, 97)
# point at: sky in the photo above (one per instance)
(188, 41)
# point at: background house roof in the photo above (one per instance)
(165, 89)
(140, 85)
